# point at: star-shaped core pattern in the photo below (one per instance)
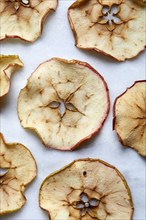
(86, 204)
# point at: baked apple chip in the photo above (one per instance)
(112, 27)
(24, 18)
(8, 64)
(20, 171)
(86, 189)
(65, 102)
(130, 117)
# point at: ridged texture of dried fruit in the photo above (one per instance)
(86, 189)
(130, 117)
(114, 27)
(24, 18)
(20, 168)
(8, 64)
(65, 102)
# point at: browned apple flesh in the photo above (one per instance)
(112, 27)
(8, 64)
(65, 102)
(86, 189)
(20, 171)
(130, 117)
(24, 18)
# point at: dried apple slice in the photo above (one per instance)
(65, 102)
(24, 18)
(130, 117)
(114, 27)
(21, 170)
(8, 64)
(86, 189)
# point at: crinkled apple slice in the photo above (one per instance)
(8, 64)
(86, 189)
(65, 102)
(112, 27)
(21, 170)
(130, 117)
(24, 18)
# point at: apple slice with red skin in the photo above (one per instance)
(8, 64)
(86, 189)
(114, 28)
(24, 18)
(73, 84)
(21, 169)
(130, 117)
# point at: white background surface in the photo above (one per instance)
(57, 41)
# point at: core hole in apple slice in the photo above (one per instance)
(26, 2)
(83, 211)
(93, 202)
(62, 107)
(3, 171)
(70, 107)
(84, 197)
(54, 104)
(80, 205)
(109, 14)
(105, 10)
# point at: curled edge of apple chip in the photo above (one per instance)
(8, 64)
(122, 39)
(21, 169)
(24, 19)
(86, 189)
(130, 117)
(84, 94)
